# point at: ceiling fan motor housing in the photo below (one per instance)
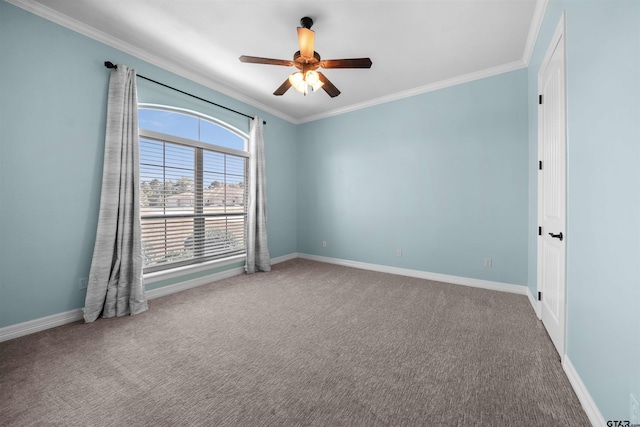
(306, 22)
(305, 64)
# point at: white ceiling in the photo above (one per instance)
(415, 46)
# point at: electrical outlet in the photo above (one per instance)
(399, 252)
(83, 282)
(324, 243)
(634, 409)
(487, 262)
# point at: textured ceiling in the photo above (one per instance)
(415, 46)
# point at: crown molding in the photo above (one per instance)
(159, 61)
(466, 78)
(169, 65)
(532, 37)
(534, 30)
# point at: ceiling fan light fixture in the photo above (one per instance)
(317, 86)
(307, 60)
(312, 77)
(305, 83)
(297, 81)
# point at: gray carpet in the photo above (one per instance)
(308, 344)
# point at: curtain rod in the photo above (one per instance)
(110, 64)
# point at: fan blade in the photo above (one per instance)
(268, 61)
(346, 63)
(306, 38)
(283, 88)
(328, 87)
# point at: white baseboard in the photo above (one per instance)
(587, 402)
(284, 258)
(41, 324)
(36, 325)
(456, 280)
(589, 406)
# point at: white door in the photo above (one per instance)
(552, 190)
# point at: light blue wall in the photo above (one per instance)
(603, 193)
(53, 88)
(448, 176)
(442, 175)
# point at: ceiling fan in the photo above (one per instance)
(307, 61)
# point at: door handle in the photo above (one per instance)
(557, 236)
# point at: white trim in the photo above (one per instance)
(48, 322)
(186, 111)
(587, 402)
(284, 258)
(534, 30)
(559, 36)
(36, 325)
(177, 287)
(532, 38)
(176, 68)
(193, 283)
(466, 78)
(181, 286)
(43, 323)
(159, 61)
(158, 276)
(456, 280)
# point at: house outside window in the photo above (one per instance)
(193, 171)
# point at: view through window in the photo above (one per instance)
(192, 189)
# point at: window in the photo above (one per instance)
(192, 188)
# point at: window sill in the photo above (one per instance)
(159, 276)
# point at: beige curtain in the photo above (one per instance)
(257, 247)
(115, 285)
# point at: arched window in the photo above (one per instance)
(193, 171)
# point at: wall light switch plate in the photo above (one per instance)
(487, 262)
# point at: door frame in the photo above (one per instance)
(558, 37)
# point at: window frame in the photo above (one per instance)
(197, 264)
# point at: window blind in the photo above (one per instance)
(193, 202)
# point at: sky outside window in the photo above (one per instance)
(189, 127)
